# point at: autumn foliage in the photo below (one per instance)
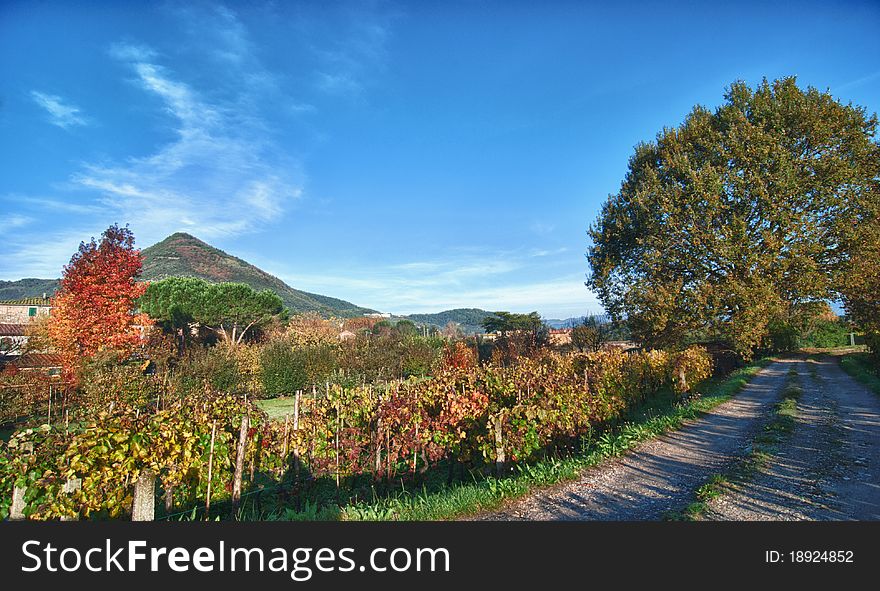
(94, 309)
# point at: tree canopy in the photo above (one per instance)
(505, 322)
(94, 309)
(740, 216)
(229, 309)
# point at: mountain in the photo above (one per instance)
(27, 288)
(572, 322)
(470, 319)
(183, 255)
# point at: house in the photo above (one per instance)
(47, 363)
(24, 310)
(13, 338)
(560, 336)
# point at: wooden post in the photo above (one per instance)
(415, 450)
(378, 448)
(72, 485)
(388, 454)
(144, 505)
(16, 511)
(286, 436)
(210, 470)
(296, 462)
(500, 458)
(255, 460)
(337, 445)
(239, 462)
(49, 415)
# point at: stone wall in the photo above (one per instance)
(19, 314)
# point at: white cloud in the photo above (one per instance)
(51, 205)
(60, 113)
(542, 228)
(857, 82)
(42, 257)
(13, 221)
(546, 253)
(502, 280)
(222, 175)
(130, 52)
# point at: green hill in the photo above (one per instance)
(470, 319)
(182, 255)
(27, 288)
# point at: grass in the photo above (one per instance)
(277, 408)
(859, 366)
(660, 415)
(764, 446)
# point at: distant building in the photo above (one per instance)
(560, 336)
(346, 335)
(24, 310)
(378, 315)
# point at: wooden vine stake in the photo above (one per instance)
(239, 463)
(144, 504)
(210, 470)
(296, 433)
(338, 427)
(500, 458)
(378, 467)
(415, 450)
(286, 435)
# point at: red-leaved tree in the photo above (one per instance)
(94, 310)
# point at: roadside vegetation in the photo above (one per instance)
(862, 367)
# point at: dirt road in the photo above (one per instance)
(828, 468)
(660, 475)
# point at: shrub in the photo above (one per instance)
(283, 370)
(826, 334)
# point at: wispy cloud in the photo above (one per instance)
(857, 82)
(546, 253)
(62, 114)
(542, 228)
(500, 280)
(221, 176)
(42, 256)
(46, 204)
(347, 63)
(13, 221)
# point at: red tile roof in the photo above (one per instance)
(12, 330)
(37, 360)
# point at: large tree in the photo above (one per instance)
(229, 309)
(94, 308)
(739, 216)
(175, 302)
(505, 322)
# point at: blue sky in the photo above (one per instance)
(408, 157)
